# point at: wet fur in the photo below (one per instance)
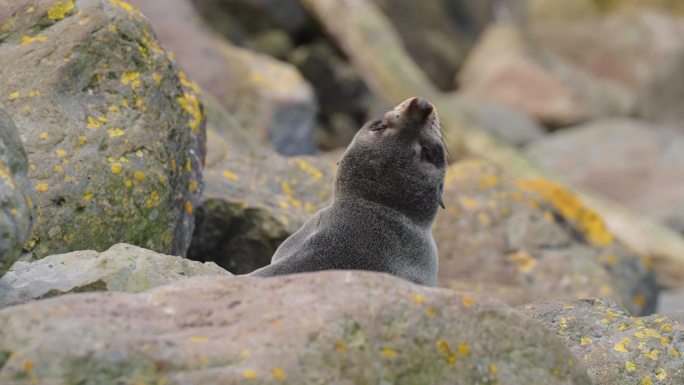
(386, 198)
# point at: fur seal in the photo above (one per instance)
(387, 192)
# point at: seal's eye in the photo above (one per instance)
(377, 125)
(434, 155)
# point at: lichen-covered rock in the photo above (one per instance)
(632, 162)
(267, 97)
(114, 133)
(121, 268)
(15, 204)
(617, 349)
(254, 198)
(528, 239)
(321, 328)
(505, 67)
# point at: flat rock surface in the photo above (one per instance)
(328, 327)
(15, 204)
(121, 268)
(114, 133)
(524, 240)
(617, 349)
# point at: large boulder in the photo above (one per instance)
(506, 68)
(15, 204)
(637, 164)
(617, 348)
(642, 51)
(563, 10)
(254, 198)
(328, 327)
(267, 97)
(114, 133)
(528, 239)
(121, 268)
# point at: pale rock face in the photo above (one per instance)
(122, 268)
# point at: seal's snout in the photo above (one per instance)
(419, 109)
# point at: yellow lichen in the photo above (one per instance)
(653, 354)
(464, 350)
(388, 352)
(646, 381)
(249, 374)
(191, 105)
(630, 366)
(417, 298)
(14, 95)
(307, 167)
(467, 301)
(571, 208)
(42, 187)
(61, 153)
(88, 196)
(230, 175)
(116, 168)
(661, 374)
(199, 339)
(43, 135)
(622, 345)
(188, 207)
(523, 261)
(126, 7)
(584, 341)
(449, 355)
(6, 26)
(59, 9)
(115, 132)
(340, 346)
(132, 78)
(26, 40)
(278, 374)
(93, 123)
(139, 176)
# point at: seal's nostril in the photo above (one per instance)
(420, 107)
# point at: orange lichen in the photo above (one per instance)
(571, 208)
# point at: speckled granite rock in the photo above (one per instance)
(121, 268)
(267, 97)
(327, 327)
(254, 198)
(114, 133)
(527, 239)
(617, 348)
(15, 205)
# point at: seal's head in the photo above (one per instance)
(398, 161)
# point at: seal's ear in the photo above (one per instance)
(440, 193)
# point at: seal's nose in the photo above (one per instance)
(419, 108)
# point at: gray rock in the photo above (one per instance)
(15, 204)
(114, 133)
(254, 198)
(617, 348)
(510, 125)
(269, 98)
(524, 240)
(123, 268)
(635, 163)
(321, 328)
